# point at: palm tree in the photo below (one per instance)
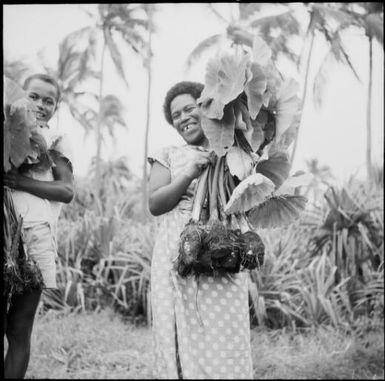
(276, 30)
(371, 20)
(148, 64)
(124, 20)
(74, 67)
(321, 20)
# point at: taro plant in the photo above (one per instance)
(249, 116)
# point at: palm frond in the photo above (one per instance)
(115, 54)
(202, 47)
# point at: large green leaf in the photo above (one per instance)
(297, 180)
(276, 168)
(261, 51)
(249, 193)
(17, 133)
(287, 106)
(239, 162)
(17, 128)
(255, 89)
(224, 80)
(277, 211)
(220, 133)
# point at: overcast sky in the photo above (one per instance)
(335, 135)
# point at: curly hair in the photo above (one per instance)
(46, 78)
(184, 87)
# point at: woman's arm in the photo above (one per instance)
(164, 193)
(61, 189)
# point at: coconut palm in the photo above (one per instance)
(149, 8)
(328, 21)
(370, 18)
(129, 22)
(276, 29)
(74, 67)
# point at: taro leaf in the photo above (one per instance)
(18, 127)
(287, 106)
(220, 133)
(255, 136)
(276, 168)
(12, 91)
(249, 193)
(261, 51)
(299, 179)
(211, 108)
(241, 123)
(224, 81)
(277, 211)
(255, 89)
(239, 162)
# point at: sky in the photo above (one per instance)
(334, 134)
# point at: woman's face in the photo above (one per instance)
(185, 115)
(44, 97)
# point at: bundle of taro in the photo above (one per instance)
(250, 116)
(23, 147)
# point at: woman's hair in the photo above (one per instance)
(46, 78)
(184, 87)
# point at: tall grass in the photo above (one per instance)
(326, 269)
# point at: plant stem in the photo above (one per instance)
(200, 195)
(213, 195)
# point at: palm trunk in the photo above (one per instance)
(305, 86)
(149, 82)
(369, 115)
(99, 123)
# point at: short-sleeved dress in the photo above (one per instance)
(201, 325)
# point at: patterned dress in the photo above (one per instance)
(201, 325)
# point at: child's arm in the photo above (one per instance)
(61, 189)
(164, 193)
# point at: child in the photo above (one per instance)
(38, 194)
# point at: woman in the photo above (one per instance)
(37, 195)
(200, 325)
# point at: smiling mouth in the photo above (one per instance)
(39, 115)
(188, 127)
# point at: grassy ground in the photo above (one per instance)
(103, 346)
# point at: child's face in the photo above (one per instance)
(43, 95)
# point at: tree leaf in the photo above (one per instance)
(239, 162)
(220, 133)
(276, 168)
(255, 89)
(249, 193)
(287, 106)
(224, 81)
(277, 211)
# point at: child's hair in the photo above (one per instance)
(46, 78)
(184, 87)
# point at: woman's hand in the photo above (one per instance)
(199, 163)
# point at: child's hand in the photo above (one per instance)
(11, 178)
(22, 104)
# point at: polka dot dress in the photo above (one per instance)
(200, 324)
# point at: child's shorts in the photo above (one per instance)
(40, 244)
